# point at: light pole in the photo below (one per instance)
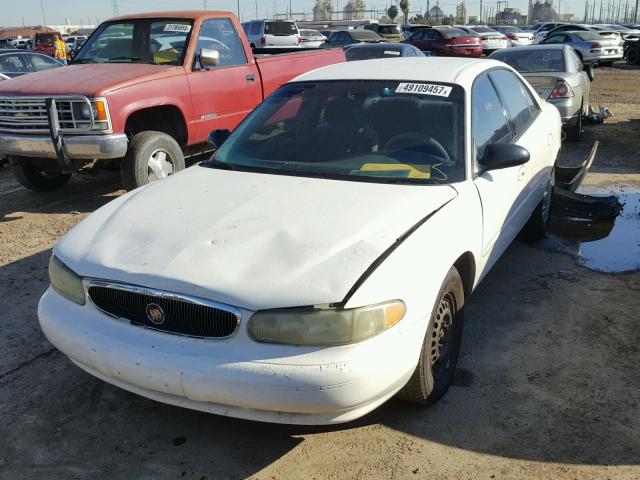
(44, 20)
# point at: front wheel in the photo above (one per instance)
(441, 345)
(37, 179)
(151, 156)
(633, 56)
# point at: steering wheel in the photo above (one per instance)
(412, 140)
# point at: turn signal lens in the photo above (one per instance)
(101, 110)
(326, 326)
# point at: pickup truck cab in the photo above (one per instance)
(144, 90)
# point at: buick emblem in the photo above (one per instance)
(155, 314)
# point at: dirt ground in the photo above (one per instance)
(547, 386)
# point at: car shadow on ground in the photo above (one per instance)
(546, 374)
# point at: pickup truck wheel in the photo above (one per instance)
(37, 179)
(151, 156)
(538, 224)
(440, 347)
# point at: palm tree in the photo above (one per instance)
(392, 13)
(404, 6)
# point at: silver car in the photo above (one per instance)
(311, 39)
(492, 40)
(590, 46)
(557, 74)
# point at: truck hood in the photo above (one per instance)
(92, 80)
(250, 240)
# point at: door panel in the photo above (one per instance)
(222, 96)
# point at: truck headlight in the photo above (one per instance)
(327, 326)
(65, 281)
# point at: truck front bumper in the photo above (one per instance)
(79, 147)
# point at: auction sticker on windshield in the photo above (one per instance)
(424, 89)
(177, 27)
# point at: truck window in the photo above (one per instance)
(219, 34)
(255, 28)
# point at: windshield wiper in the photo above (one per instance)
(132, 59)
(83, 60)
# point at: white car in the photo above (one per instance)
(319, 262)
(492, 40)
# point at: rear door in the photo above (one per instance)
(222, 96)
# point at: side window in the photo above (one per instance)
(518, 102)
(418, 35)
(554, 39)
(255, 28)
(41, 62)
(488, 122)
(431, 35)
(12, 64)
(219, 34)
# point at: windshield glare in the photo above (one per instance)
(354, 130)
(152, 41)
(530, 60)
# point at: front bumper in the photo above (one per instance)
(236, 376)
(78, 147)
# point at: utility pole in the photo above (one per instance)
(238, 6)
(44, 20)
(204, 4)
(635, 15)
(257, 9)
(480, 10)
(116, 9)
(600, 16)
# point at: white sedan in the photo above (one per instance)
(319, 262)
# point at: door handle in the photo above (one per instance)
(521, 173)
(250, 78)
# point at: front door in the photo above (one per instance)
(222, 96)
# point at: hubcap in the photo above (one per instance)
(159, 165)
(442, 336)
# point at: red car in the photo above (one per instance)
(446, 42)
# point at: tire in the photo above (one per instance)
(575, 132)
(633, 56)
(538, 224)
(151, 156)
(37, 179)
(441, 346)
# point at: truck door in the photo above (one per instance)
(222, 96)
(498, 189)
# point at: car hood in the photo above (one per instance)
(246, 239)
(89, 79)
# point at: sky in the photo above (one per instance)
(15, 12)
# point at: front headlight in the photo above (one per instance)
(328, 326)
(96, 109)
(65, 281)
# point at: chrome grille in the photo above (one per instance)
(181, 314)
(29, 115)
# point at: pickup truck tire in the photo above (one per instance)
(441, 346)
(538, 224)
(38, 180)
(151, 156)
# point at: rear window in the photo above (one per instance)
(280, 28)
(46, 37)
(587, 36)
(364, 35)
(389, 30)
(532, 60)
(360, 53)
(452, 32)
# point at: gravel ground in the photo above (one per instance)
(547, 385)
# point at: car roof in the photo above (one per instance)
(187, 14)
(434, 69)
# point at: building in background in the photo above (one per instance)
(354, 10)
(461, 14)
(510, 16)
(542, 12)
(323, 10)
(435, 14)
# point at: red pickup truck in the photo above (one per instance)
(144, 90)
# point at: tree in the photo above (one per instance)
(392, 13)
(404, 6)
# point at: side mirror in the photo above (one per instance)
(503, 155)
(209, 58)
(218, 137)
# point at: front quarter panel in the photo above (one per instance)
(415, 270)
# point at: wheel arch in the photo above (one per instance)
(466, 266)
(162, 118)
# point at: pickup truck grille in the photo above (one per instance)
(165, 312)
(29, 115)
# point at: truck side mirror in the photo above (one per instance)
(209, 58)
(503, 155)
(218, 137)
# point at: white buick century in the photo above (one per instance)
(319, 262)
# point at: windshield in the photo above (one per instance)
(452, 32)
(153, 41)
(389, 30)
(374, 131)
(532, 60)
(46, 37)
(280, 28)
